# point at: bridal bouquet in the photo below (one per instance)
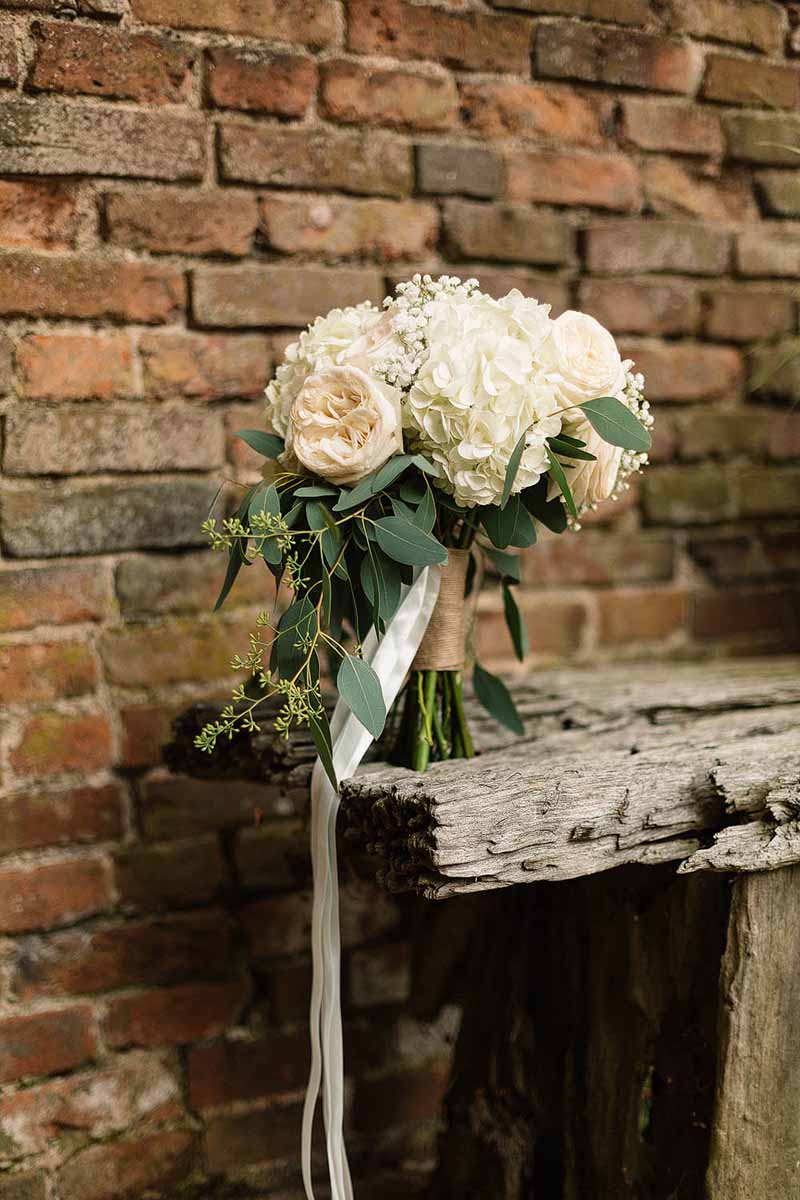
(435, 433)
(406, 449)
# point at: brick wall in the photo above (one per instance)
(184, 182)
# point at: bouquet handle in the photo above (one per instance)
(391, 659)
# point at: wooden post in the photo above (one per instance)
(755, 1148)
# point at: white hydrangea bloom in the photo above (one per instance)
(325, 343)
(480, 387)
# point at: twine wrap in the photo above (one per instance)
(443, 647)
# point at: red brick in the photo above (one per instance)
(775, 369)
(642, 306)
(46, 671)
(83, 286)
(9, 58)
(54, 595)
(68, 366)
(55, 137)
(280, 925)
(57, 741)
(696, 495)
(357, 161)
(168, 221)
(198, 366)
(23, 1185)
(720, 433)
(555, 625)
(273, 857)
(769, 491)
(173, 807)
(310, 21)
(126, 1170)
(748, 81)
(51, 894)
(340, 226)
(279, 295)
(178, 652)
(230, 1071)
(672, 125)
(288, 990)
(506, 233)
(763, 137)
(644, 614)
(176, 875)
(783, 435)
(446, 169)
(145, 730)
(94, 1104)
(598, 556)
(686, 371)
(234, 1140)
(673, 189)
(90, 517)
(500, 108)
(622, 12)
(745, 315)
(779, 192)
(156, 584)
(601, 181)
(76, 440)
(730, 612)
(415, 1095)
(174, 1016)
(743, 22)
(258, 81)
(773, 250)
(172, 949)
(626, 57)
(380, 975)
(83, 814)
(83, 60)
(41, 216)
(624, 248)
(43, 1043)
(399, 97)
(473, 41)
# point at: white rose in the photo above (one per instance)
(344, 424)
(379, 341)
(583, 359)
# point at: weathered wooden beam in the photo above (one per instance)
(755, 1145)
(656, 762)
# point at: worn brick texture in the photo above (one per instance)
(184, 183)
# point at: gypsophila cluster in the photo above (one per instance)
(410, 310)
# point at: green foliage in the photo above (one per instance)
(515, 623)
(267, 444)
(360, 688)
(495, 697)
(616, 424)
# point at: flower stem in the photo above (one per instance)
(426, 692)
(465, 736)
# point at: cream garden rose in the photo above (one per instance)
(583, 359)
(344, 424)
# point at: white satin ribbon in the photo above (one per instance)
(390, 658)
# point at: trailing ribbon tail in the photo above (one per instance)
(390, 658)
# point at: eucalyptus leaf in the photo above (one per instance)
(495, 697)
(509, 526)
(313, 490)
(360, 688)
(412, 490)
(359, 494)
(401, 509)
(512, 468)
(557, 471)
(616, 424)
(515, 623)
(296, 626)
(507, 564)
(425, 516)
(235, 561)
(380, 579)
(524, 529)
(390, 470)
(267, 444)
(549, 512)
(321, 733)
(406, 543)
(426, 466)
(560, 446)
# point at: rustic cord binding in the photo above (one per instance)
(443, 646)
